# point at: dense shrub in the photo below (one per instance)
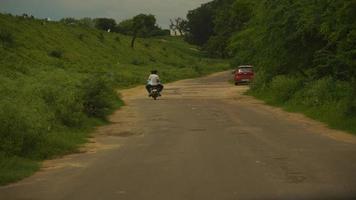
(6, 38)
(260, 81)
(23, 126)
(137, 61)
(81, 36)
(101, 37)
(282, 88)
(56, 53)
(319, 92)
(327, 92)
(99, 97)
(64, 99)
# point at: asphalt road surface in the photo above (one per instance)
(203, 140)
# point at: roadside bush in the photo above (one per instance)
(328, 92)
(152, 59)
(101, 37)
(260, 81)
(6, 38)
(56, 53)
(62, 94)
(99, 97)
(66, 103)
(23, 125)
(317, 92)
(81, 36)
(137, 61)
(282, 88)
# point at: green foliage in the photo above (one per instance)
(117, 39)
(200, 25)
(99, 97)
(101, 37)
(13, 168)
(141, 25)
(6, 38)
(309, 38)
(328, 100)
(81, 36)
(282, 88)
(105, 24)
(56, 53)
(69, 21)
(179, 25)
(62, 95)
(125, 27)
(137, 61)
(21, 130)
(212, 24)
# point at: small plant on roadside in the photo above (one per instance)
(137, 61)
(56, 53)
(152, 59)
(101, 37)
(6, 38)
(117, 39)
(81, 36)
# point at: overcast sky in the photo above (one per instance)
(117, 9)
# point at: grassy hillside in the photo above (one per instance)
(57, 81)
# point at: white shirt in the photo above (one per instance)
(153, 79)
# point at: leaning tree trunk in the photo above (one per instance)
(180, 32)
(133, 40)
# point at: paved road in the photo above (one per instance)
(203, 140)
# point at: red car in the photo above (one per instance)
(243, 74)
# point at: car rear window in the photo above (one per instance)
(244, 70)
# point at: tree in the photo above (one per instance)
(142, 26)
(182, 25)
(87, 22)
(179, 25)
(200, 25)
(125, 27)
(173, 27)
(68, 20)
(105, 23)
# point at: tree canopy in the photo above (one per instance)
(311, 38)
(105, 23)
(141, 25)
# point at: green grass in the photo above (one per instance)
(325, 100)
(14, 168)
(58, 81)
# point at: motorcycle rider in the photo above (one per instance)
(154, 81)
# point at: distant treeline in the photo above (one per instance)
(304, 50)
(125, 27)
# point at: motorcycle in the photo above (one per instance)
(154, 93)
